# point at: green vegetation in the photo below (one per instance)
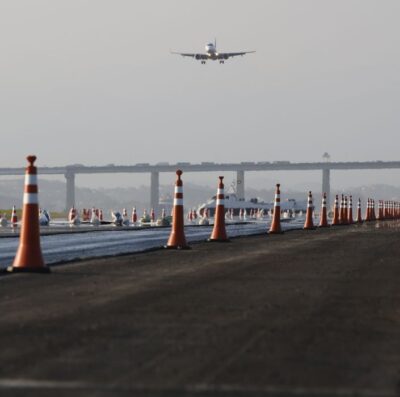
(53, 214)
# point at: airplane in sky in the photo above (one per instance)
(212, 54)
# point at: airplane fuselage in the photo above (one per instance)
(211, 51)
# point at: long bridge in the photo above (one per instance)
(71, 171)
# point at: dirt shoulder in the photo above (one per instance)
(305, 313)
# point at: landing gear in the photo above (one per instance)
(221, 61)
(203, 62)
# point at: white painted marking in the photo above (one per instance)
(31, 198)
(178, 189)
(39, 384)
(178, 201)
(30, 179)
(208, 388)
(292, 391)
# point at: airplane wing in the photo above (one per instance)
(196, 56)
(226, 55)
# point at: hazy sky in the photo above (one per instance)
(93, 82)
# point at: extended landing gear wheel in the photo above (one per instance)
(203, 62)
(221, 61)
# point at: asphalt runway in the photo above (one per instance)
(66, 244)
(307, 313)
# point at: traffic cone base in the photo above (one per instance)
(27, 269)
(177, 247)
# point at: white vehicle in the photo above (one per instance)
(212, 54)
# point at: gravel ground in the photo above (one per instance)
(307, 313)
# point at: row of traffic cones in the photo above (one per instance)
(95, 215)
(275, 227)
(177, 239)
(29, 255)
(343, 212)
(342, 215)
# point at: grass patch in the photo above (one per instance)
(53, 214)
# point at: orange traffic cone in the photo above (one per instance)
(309, 224)
(373, 215)
(276, 220)
(350, 219)
(341, 211)
(72, 215)
(380, 210)
(177, 237)
(359, 215)
(367, 217)
(29, 255)
(323, 219)
(14, 218)
(219, 230)
(336, 217)
(134, 215)
(345, 212)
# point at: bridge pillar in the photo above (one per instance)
(155, 190)
(240, 184)
(70, 190)
(326, 184)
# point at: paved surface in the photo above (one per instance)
(73, 246)
(302, 314)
